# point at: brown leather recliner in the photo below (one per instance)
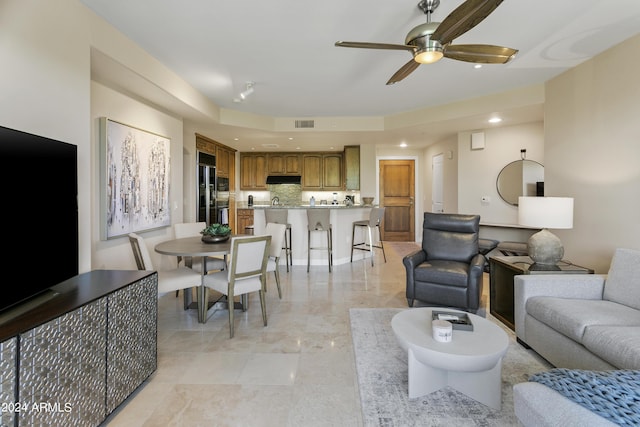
(447, 271)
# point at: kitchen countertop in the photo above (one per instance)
(244, 205)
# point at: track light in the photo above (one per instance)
(248, 91)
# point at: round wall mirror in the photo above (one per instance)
(520, 178)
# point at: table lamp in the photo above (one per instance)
(545, 212)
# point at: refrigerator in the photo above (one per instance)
(212, 192)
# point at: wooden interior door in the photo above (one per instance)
(397, 195)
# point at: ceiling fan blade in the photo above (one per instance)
(367, 45)
(403, 72)
(480, 53)
(463, 18)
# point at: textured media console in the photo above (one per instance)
(75, 358)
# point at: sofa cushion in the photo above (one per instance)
(623, 280)
(618, 345)
(571, 316)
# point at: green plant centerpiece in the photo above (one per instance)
(216, 233)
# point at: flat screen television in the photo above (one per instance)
(39, 187)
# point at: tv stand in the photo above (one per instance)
(27, 305)
(72, 360)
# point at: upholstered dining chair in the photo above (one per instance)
(246, 273)
(447, 270)
(277, 233)
(168, 280)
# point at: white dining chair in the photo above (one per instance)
(277, 233)
(168, 280)
(246, 273)
(191, 229)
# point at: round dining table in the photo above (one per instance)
(195, 247)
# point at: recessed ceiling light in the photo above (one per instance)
(403, 144)
(236, 139)
(495, 120)
(477, 66)
(290, 138)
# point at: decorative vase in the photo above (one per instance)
(218, 238)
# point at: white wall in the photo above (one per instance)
(45, 86)
(592, 153)
(105, 102)
(449, 173)
(479, 169)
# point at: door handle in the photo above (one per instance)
(410, 201)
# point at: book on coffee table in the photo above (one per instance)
(459, 321)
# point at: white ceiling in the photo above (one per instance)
(287, 48)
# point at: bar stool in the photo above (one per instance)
(281, 216)
(375, 219)
(318, 220)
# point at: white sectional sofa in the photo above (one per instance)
(585, 321)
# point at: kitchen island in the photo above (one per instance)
(341, 217)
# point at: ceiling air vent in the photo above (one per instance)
(305, 124)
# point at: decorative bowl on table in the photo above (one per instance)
(216, 233)
(367, 201)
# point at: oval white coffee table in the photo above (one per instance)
(471, 363)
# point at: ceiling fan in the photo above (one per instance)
(431, 41)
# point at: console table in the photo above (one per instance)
(74, 358)
(502, 269)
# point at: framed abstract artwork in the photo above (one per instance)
(134, 179)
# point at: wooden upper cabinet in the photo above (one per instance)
(312, 171)
(222, 162)
(332, 172)
(322, 171)
(352, 167)
(253, 171)
(225, 157)
(284, 164)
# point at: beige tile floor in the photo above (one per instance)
(297, 371)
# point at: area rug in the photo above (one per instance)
(381, 366)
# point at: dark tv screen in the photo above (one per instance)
(39, 179)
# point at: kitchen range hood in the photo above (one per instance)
(283, 179)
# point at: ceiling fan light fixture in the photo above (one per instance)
(429, 56)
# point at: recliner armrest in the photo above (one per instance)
(411, 261)
(414, 259)
(581, 286)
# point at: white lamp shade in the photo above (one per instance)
(545, 212)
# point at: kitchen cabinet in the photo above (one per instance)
(222, 162)
(312, 171)
(352, 167)
(245, 219)
(284, 164)
(225, 157)
(253, 171)
(322, 172)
